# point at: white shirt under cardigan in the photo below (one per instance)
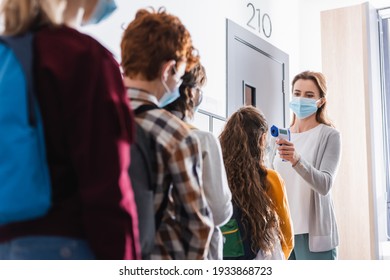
(215, 186)
(319, 174)
(298, 190)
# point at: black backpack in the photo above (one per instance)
(143, 173)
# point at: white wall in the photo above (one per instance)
(205, 20)
(310, 27)
(295, 30)
(311, 45)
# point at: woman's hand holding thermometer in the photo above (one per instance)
(286, 148)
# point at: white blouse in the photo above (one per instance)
(298, 190)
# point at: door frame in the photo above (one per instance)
(235, 32)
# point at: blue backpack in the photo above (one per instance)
(25, 188)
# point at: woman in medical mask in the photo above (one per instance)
(87, 124)
(308, 164)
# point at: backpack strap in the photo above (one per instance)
(160, 212)
(245, 233)
(144, 108)
(22, 46)
(145, 151)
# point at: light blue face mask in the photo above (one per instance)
(196, 109)
(200, 99)
(103, 9)
(169, 96)
(303, 107)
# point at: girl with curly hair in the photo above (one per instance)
(259, 197)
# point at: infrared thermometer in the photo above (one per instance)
(281, 133)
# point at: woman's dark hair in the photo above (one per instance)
(243, 154)
(194, 79)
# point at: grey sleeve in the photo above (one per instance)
(327, 160)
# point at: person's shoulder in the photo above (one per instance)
(330, 131)
(206, 136)
(274, 177)
(208, 141)
(69, 41)
(272, 173)
(167, 127)
(62, 34)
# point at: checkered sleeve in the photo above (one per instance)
(194, 216)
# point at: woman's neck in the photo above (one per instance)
(302, 125)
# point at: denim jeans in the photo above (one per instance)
(45, 248)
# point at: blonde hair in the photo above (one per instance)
(20, 16)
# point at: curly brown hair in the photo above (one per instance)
(243, 154)
(194, 79)
(153, 38)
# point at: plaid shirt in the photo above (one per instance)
(186, 225)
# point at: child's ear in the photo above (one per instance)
(166, 68)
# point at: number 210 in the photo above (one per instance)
(263, 22)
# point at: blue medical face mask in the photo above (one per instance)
(303, 107)
(103, 9)
(169, 95)
(196, 109)
(200, 99)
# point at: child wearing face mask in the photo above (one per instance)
(156, 52)
(87, 124)
(214, 178)
(308, 164)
